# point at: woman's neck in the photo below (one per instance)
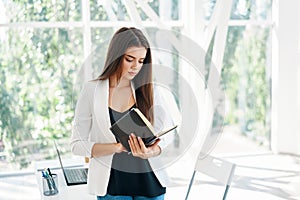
(113, 83)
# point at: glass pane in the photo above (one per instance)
(38, 69)
(168, 9)
(247, 76)
(249, 9)
(100, 41)
(165, 9)
(56, 10)
(111, 10)
(242, 9)
(208, 8)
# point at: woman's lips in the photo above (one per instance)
(132, 73)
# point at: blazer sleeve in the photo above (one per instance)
(82, 123)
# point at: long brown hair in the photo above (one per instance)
(123, 39)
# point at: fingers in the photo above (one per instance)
(137, 146)
(123, 149)
(141, 144)
(132, 144)
(155, 143)
(120, 148)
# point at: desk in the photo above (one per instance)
(64, 192)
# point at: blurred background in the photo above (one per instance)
(44, 44)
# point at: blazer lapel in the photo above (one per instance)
(101, 109)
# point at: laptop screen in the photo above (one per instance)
(59, 158)
(73, 176)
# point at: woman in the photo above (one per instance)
(125, 82)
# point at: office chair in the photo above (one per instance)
(216, 168)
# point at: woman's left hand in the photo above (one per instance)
(138, 148)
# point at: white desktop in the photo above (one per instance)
(64, 192)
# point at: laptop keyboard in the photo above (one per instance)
(76, 175)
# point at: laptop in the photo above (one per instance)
(73, 176)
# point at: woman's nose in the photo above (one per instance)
(135, 64)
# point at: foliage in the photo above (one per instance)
(247, 83)
(38, 68)
(244, 74)
(39, 10)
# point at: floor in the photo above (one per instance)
(259, 175)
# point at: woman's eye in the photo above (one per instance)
(131, 60)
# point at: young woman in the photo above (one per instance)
(126, 82)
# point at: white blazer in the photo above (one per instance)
(91, 125)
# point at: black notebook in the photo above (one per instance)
(135, 122)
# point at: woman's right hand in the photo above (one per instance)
(120, 148)
(99, 149)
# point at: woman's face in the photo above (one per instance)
(133, 61)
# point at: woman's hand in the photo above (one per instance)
(138, 148)
(120, 148)
(99, 150)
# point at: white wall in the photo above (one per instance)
(285, 137)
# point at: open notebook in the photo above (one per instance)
(73, 176)
(135, 122)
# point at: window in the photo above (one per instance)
(43, 46)
(247, 70)
(45, 43)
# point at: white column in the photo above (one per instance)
(285, 133)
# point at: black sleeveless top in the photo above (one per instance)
(130, 175)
